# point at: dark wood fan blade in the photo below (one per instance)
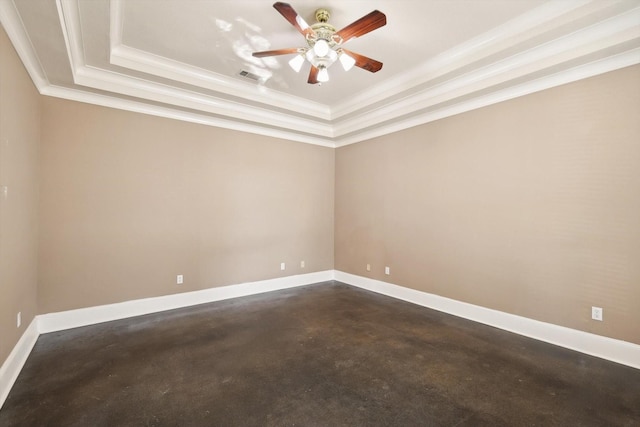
(313, 75)
(364, 62)
(294, 19)
(275, 52)
(364, 25)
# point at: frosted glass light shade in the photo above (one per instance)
(323, 75)
(296, 63)
(347, 61)
(321, 48)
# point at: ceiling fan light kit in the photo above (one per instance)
(347, 61)
(296, 63)
(324, 43)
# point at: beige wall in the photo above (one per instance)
(531, 206)
(19, 138)
(129, 201)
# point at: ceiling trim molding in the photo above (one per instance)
(110, 81)
(144, 89)
(69, 16)
(138, 60)
(579, 73)
(173, 113)
(566, 76)
(461, 55)
(558, 43)
(12, 24)
(563, 55)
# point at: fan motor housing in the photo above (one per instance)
(323, 29)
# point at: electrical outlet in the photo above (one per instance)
(179, 279)
(19, 319)
(387, 271)
(368, 267)
(596, 313)
(301, 264)
(282, 266)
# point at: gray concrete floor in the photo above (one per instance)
(320, 355)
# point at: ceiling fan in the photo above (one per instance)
(324, 43)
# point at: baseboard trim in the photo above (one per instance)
(11, 367)
(618, 351)
(52, 322)
(595, 345)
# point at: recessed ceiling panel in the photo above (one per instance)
(220, 36)
(192, 60)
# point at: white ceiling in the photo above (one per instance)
(182, 58)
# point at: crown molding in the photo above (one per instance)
(578, 73)
(114, 82)
(137, 60)
(460, 56)
(567, 76)
(561, 56)
(105, 100)
(144, 89)
(145, 62)
(557, 43)
(12, 24)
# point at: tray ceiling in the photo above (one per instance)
(183, 59)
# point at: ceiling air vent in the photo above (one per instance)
(249, 75)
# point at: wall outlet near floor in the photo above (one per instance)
(301, 264)
(282, 266)
(368, 267)
(596, 313)
(179, 279)
(387, 271)
(19, 319)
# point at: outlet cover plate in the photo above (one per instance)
(596, 313)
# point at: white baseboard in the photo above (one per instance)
(618, 351)
(11, 367)
(52, 322)
(606, 348)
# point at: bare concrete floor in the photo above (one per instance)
(320, 355)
